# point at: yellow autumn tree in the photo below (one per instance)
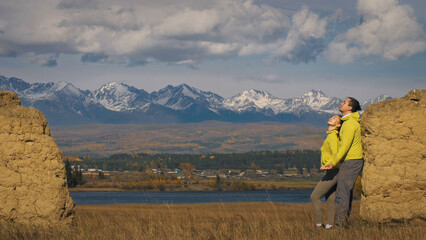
(187, 169)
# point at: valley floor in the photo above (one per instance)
(204, 137)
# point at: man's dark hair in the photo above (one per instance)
(354, 104)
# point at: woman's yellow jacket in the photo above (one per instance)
(329, 147)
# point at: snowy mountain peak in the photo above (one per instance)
(375, 100)
(59, 86)
(118, 102)
(13, 84)
(315, 93)
(183, 96)
(189, 91)
(257, 93)
(119, 97)
(112, 86)
(314, 100)
(318, 101)
(381, 98)
(183, 86)
(183, 90)
(66, 88)
(251, 100)
(119, 89)
(253, 94)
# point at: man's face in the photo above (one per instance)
(344, 106)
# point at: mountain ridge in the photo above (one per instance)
(64, 104)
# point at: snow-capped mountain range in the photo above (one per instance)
(64, 104)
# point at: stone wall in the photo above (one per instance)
(394, 142)
(32, 175)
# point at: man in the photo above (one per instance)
(350, 152)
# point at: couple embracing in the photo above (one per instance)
(342, 160)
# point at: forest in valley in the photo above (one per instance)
(255, 170)
(276, 160)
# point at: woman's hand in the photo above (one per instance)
(327, 167)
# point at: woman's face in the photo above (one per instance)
(334, 121)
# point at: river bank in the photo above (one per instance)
(191, 197)
(212, 185)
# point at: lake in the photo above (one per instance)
(282, 196)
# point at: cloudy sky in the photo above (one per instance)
(344, 47)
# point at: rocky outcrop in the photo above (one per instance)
(394, 142)
(32, 175)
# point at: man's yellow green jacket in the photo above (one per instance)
(350, 139)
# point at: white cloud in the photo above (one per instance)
(271, 78)
(268, 78)
(337, 16)
(305, 40)
(190, 22)
(140, 31)
(45, 60)
(387, 29)
(78, 4)
(190, 31)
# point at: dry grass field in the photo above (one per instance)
(210, 221)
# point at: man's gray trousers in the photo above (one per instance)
(348, 173)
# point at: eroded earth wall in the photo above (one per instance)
(32, 175)
(394, 175)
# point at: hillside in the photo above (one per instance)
(204, 137)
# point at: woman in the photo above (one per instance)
(327, 186)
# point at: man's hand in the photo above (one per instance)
(327, 167)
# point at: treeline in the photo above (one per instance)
(277, 160)
(74, 174)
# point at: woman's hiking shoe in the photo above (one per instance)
(328, 226)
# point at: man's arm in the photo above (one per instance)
(345, 142)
